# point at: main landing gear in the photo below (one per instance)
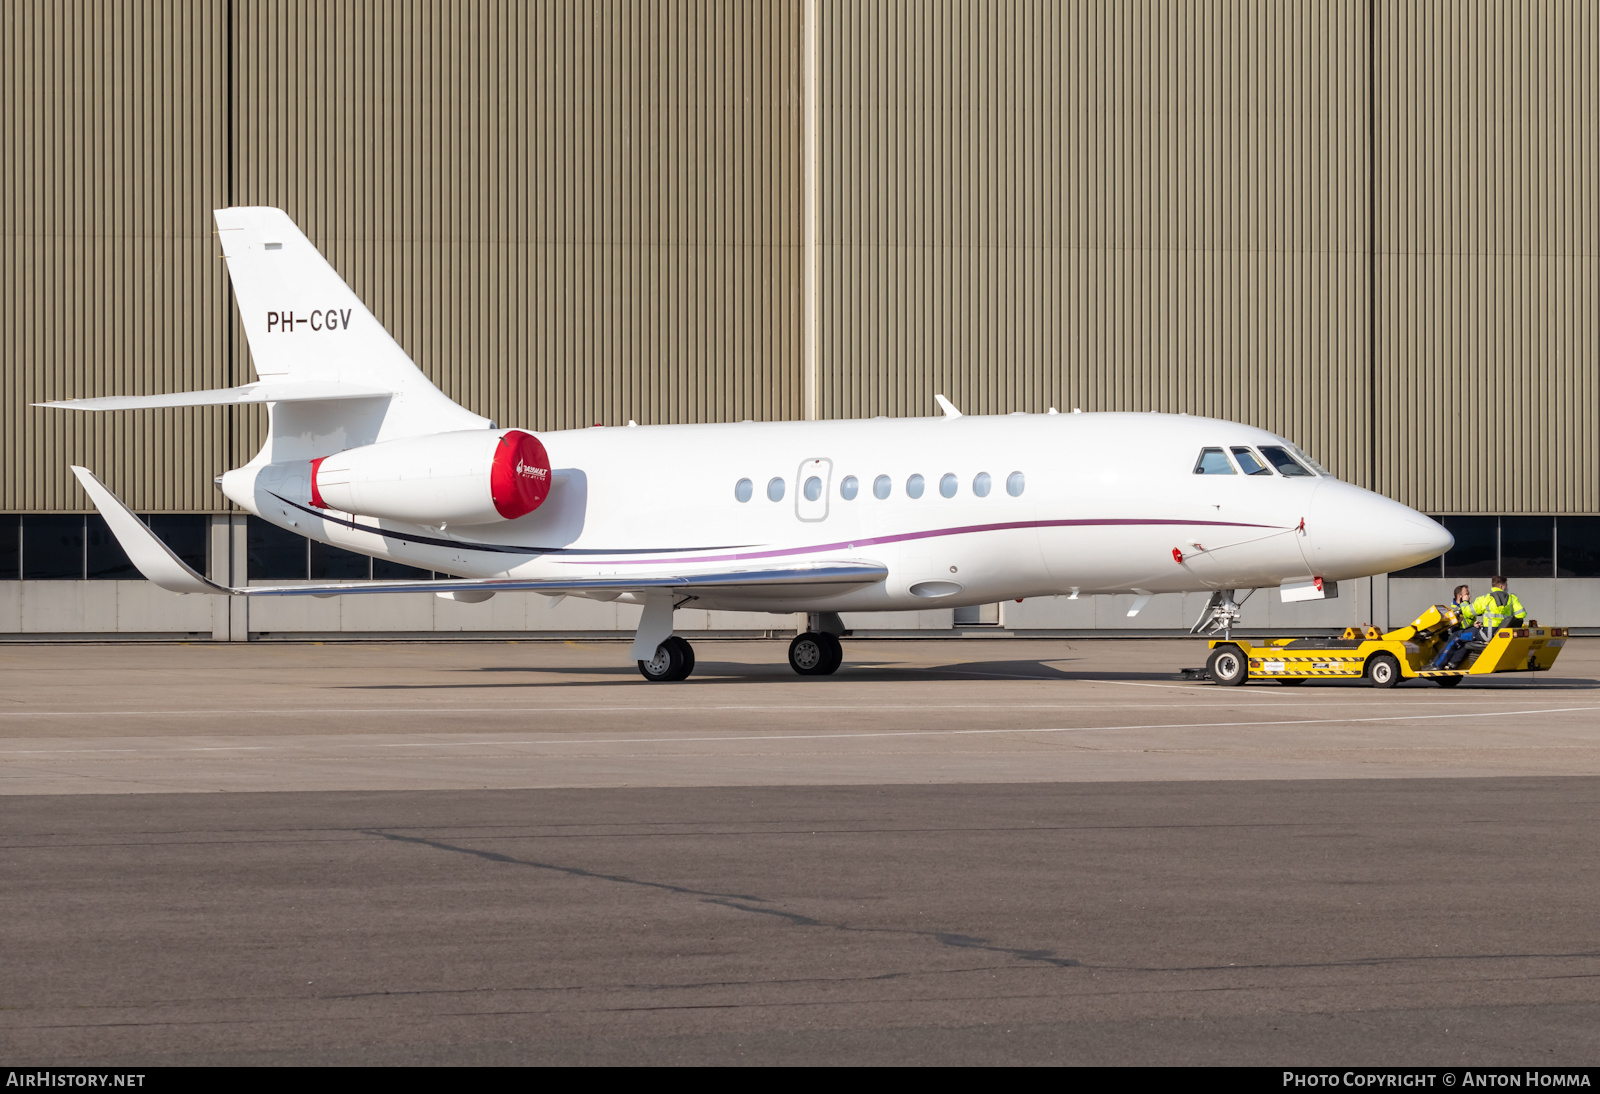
(815, 653)
(674, 660)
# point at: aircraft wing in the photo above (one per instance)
(800, 579)
(794, 581)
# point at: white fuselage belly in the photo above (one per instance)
(1108, 499)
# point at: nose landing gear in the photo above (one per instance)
(1221, 613)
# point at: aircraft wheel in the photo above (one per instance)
(1227, 666)
(1448, 681)
(688, 656)
(835, 654)
(1383, 670)
(813, 654)
(674, 660)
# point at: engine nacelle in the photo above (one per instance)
(476, 476)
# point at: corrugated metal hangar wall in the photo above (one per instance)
(1368, 225)
(566, 212)
(1371, 227)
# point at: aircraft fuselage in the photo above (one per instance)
(1009, 506)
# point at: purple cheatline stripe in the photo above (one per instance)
(930, 534)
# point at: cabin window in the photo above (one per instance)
(743, 489)
(1286, 464)
(914, 486)
(1249, 463)
(947, 486)
(980, 484)
(1016, 484)
(881, 486)
(775, 490)
(1213, 461)
(849, 488)
(813, 488)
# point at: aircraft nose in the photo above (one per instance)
(1351, 532)
(1428, 534)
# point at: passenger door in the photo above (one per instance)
(811, 489)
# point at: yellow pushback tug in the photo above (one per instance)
(1384, 659)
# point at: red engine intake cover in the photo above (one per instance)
(519, 479)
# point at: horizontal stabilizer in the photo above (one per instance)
(793, 580)
(267, 391)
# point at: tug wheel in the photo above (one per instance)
(1290, 681)
(1383, 670)
(1228, 666)
(1448, 681)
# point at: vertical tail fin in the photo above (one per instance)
(304, 323)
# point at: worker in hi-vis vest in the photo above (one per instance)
(1499, 607)
(1455, 650)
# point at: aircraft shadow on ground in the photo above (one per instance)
(723, 673)
(743, 672)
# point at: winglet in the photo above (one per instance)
(947, 406)
(153, 558)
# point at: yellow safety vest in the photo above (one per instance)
(1498, 607)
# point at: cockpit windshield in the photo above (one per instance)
(1286, 464)
(1213, 461)
(1249, 462)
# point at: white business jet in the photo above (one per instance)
(364, 453)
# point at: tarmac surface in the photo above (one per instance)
(985, 851)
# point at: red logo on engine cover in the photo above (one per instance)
(519, 479)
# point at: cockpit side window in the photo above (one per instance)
(1300, 454)
(1249, 463)
(1286, 464)
(1213, 461)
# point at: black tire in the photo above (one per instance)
(1292, 680)
(813, 654)
(1448, 681)
(688, 656)
(1228, 666)
(835, 654)
(1383, 670)
(669, 663)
